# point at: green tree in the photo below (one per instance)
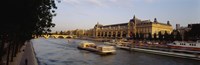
(23, 19)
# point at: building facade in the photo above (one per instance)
(190, 32)
(129, 29)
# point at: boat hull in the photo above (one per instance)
(185, 48)
(96, 51)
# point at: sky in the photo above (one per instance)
(84, 14)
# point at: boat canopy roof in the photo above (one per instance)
(86, 44)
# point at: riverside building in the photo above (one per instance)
(129, 29)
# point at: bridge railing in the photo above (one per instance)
(58, 36)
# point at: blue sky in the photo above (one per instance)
(84, 14)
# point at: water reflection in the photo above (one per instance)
(65, 52)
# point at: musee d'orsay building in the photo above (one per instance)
(135, 25)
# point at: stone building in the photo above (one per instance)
(126, 30)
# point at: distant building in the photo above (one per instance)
(183, 28)
(78, 32)
(178, 26)
(89, 33)
(135, 25)
(191, 30)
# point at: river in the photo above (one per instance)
(64, 52)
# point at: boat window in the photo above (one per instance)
(182, 43)
(192, 44)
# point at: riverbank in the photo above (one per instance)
(173, 54)
(26, 56)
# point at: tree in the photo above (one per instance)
(155, 36)
(23, 19)
(166, 36)
(171, 36)
(186, 36)
(61, 32)
(133, 36)
(141, 36)
(149, 36)
(194, 33)
(56, 32)
(178, 36)
(160, 37)
(137, 36)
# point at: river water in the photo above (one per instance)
(64, 52)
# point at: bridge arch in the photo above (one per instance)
(61, 37)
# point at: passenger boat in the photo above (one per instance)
(100, 49)
(191, 46)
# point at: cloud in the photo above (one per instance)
(113, 0)
(96, 2)
(101, 3)
(150, 1)
(72, 2)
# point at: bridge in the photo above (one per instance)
(57, 36)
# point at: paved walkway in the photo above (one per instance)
(17, 59)
(28, 56)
